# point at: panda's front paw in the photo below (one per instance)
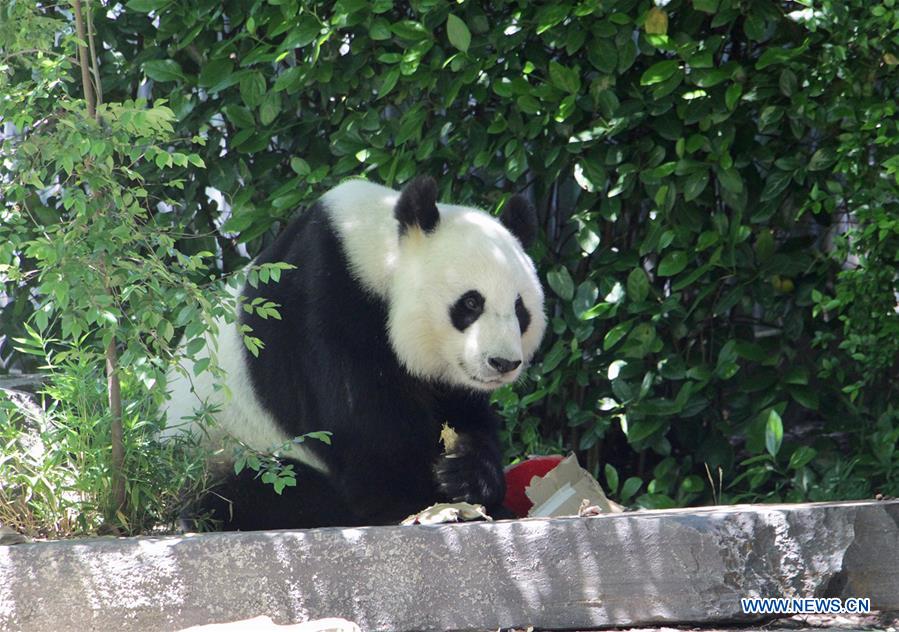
(471, 475)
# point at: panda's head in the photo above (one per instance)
(466, 306)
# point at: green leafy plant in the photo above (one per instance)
(80, 229)
(54, 461)
(269, 465)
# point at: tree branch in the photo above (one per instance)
(83, 63)
(95, 66)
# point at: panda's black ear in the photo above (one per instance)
(417, 206)
(521, 219)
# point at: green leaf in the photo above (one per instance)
(673, 263)
(145, 6)
(588, 239)
(603, 55)
(656, 501)
(640, 340)
(631, 486)
(709, 78)
(380, 29)
(389, 82)
(611, 478)
(821, 159)
(585, 298)
(805, 396)
(300, 166)
(565, 108)
(291, 80)
(774, 432)
(692, 484)
(775, 184)
(706, 6)
(270, 107)
(252, 88)
(561, 283)
(707, 239)
(695, 185)
(770, 116)
(764, 245)
(732, 95)
(730, 179)
(788, 82)
(554, 358)
(410, 30)
(163, 70)
(239, 116)
(458, 33)
(215, 72)
(303, 34)
(802, 456)
(727, 366)
(320, 435)
(590, 175)
(659, 72)
(608, 103)
(774, 55)
(637, 285)
(528, 104)
(796, 375)
(615, 334)
(564, 78)
(410, 125)
(550, 15)
(627, 54)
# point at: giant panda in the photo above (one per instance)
(401, 314)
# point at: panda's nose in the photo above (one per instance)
(502, 365)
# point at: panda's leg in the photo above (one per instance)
(242, 502)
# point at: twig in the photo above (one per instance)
(114, 393)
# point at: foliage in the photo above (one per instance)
(80, 234)
(54, 457)
(693, 165)
(270, 467)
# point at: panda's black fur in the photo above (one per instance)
(328, 364)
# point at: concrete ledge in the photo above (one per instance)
(645, 568)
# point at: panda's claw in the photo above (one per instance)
(470, 475)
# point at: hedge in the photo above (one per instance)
(695, 166)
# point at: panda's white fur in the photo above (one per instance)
(416, 274)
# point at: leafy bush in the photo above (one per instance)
(694, 166)
(54, 457)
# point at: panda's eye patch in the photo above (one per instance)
(523, 315)
(466, 309)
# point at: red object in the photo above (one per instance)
(519, 476)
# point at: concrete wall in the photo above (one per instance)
(627, 569)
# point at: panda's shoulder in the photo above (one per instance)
(361, 214)
(362, 202)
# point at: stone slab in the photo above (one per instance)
(25, 382)
(633, 569)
